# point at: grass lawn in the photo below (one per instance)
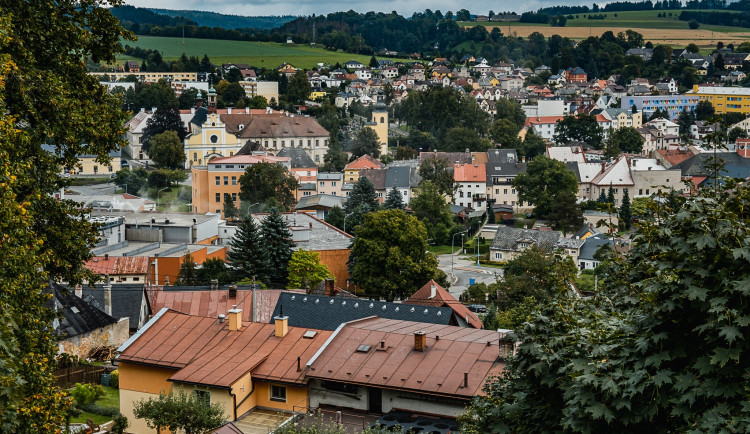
(168, 199)
(443, 250)
(89, 180)
(111, 398)
(256, 54)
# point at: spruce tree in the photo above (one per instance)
(363, 193)
(611, 195)
(230, 210)
(248, 256)
(602, 197)
(277, 242)
(188, 272)
(626, 214)
(393, 200)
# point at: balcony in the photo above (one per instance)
(479, 197)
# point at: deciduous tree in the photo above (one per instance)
(583, 128)
(389, 256)
(306, 271)
(164, 119)
(366, 143)
(262, 182)
(435, 170)
(180, 411)
(544, 181)
(166, 150)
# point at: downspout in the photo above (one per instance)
(234, 399)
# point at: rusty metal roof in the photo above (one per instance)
(439, 370)
(117, 265)
(432, 294)
(205, 352)
(202, 301)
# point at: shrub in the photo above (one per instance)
(102, 410)
(114, 379)
(121, 422)
(693, 24)
(86, 393)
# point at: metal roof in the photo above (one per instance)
(450, 353)
(432, 294)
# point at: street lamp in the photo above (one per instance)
(345, 217)
(158, 195)
(453, 240)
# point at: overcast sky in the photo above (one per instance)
(309, 7)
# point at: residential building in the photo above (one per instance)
(212, 181)
(123, 301)
(587, 257)
(543, 126)
(404, 178)
(150, 77)
(744, 125)
(509, 242)
(576, 75)
(330, 183)
(377, 178)
(248, 365)
(89, 164)
(725, 99)
(621, 118)
(432, 294)
(352, 170)
(672, 104)
(501, 169)
(639, 176)
(471, 180)
(320, 204)
(267, 89)
(121, 269)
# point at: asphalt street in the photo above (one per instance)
(464, 270)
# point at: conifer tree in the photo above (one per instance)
(393, 200)
(602, 197)
(230, 210)
(277, 242)
(363, 193)
(611, 195)
(248, 256)
(188, 272)
(626, 214)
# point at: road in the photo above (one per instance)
(464, 270)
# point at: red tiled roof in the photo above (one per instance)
(439, 370)
(442, 298)
(542, 120)
(118, 265)
(470, 173)
(249, 159)
(206, 352)
(675, 157)
(364, 162)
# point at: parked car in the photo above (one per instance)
(478, 308)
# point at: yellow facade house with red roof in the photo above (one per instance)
(241, 366)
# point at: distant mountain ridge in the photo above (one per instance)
(214, 19)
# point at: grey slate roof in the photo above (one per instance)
(507, 238)
(299, 158)
(376, 176)
(699, 164)
(502, 156)
(502, 170)
(200, 116)
(76, 315)
(327, 313)
(398, 176)
(127, 301)
(320, 200)
(326, 176)
(592, 244)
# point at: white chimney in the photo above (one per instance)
(433, 290)
(229, 110)
(107, 295)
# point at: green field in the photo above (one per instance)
(257, 54)
(632, 19)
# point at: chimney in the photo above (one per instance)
(282, 324)
(466, 379)
(235, 319)
(192, 110)
(523, 159)
(214, 285)
(433, 290)
(233, 291)
(106, 256)
(229, 110)
(153, 109)
(420, 341)
(330, 289)
(107, 295)
(79, 291)
(604, 166)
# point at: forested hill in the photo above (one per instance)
(213, 19)
(136, 15)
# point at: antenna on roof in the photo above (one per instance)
(281, 310)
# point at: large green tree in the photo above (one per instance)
(299, 88)
(628, 139)
(306, 271)
(277, 241)
(581, 128)
(565, 213)
(166, 150)
(264, 182)
(166, 119)
(431, 208)
(46, 97)
(247, 256)
(543, 182)
(662, 346)
(511, 110)
(366, 143)
(504, 133)
(436, 170)
(389, 256)
(363, 193)
(393, 200)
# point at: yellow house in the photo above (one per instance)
(725, 99)
(241, 366)
(318, 94)
(88, 165)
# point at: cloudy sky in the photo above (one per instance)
(309, 7)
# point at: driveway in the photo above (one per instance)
(464, 270)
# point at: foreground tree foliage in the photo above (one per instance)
(389, 255)
(661, 348)
(180, 411)
(544, 183)
(306, 271)
(43, 82)
(268, 181)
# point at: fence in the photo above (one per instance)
(66, 377)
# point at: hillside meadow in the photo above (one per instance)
(257, 54)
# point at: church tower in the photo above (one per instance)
(380, 123)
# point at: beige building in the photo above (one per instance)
(267, 89)
(380, 125)
(151, 77)
(330, 183)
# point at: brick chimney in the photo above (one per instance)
(282, 324)
(330, 289)
(420, 341)
(214, 285)
(235, 319)
(233, 291)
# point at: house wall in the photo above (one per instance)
(332, 187)
(394, 399)
(209, 140)
(315, 146)
(322, 396)
(296, 397)
(89, 166)
(335, 260)
(170, 265)
(139, 382)
(648, 182)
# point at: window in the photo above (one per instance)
(195, 156)
(136, 279)
(226, 180)
(218, 180)
(498, 255)
(214, 138)
(278, 393)
(110, 169)
(218, 211)
(218, 197)
(505, 191)
(309, 143)
(229, 166)
(203, 396)
(322, 183)
(317, 158)
(234, 180)
(333, 183)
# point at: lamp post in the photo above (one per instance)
(453, 240)
(345, 217)
(158, 195)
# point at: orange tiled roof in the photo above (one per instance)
(364, 162)
(118, 265)
(470, 173)
(432, 294)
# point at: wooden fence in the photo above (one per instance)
(67, 377)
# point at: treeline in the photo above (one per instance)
(142, 15)
(735, 19)
(213, 19)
